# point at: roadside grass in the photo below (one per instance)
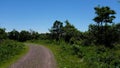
(62, 53)
(98, 56)
(78, 56)
(14, 55)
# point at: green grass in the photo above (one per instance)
(99, 56)
(13, 55)
(78, 56)
(62, 53)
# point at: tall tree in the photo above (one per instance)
(3, 34)
(117, 26)
(104, 16)
(24, 36)
(34, 34)
(14, 35)
(71, 34)
(56, 30)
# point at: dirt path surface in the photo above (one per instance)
(37, 57)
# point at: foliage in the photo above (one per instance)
(97, 56)
(34, 34)
(117, 29)
(9, 49)
(78, 56)
(104, 15)
(96, 48)
(108, 38)
(71, 34)
(67, 33)
(102, 33)
(24, 35)
(56, 30)
(87, 39)
(14, 35)
(3, 34)
(62, 52)
(44, 36)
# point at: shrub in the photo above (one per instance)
(8, 49)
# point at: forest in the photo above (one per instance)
(98, 47)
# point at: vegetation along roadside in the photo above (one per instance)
(11, 51)
(99, 47)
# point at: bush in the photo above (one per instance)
(97, 56)
(77, 51)
(8, 49)
(3, 34)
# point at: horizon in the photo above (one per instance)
(40, 15)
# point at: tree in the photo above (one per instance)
(14, 35)
(3, 34)
(104, 16)
(56, 30)
(24, 36)
(71, 34)
(92, 35)
(45, 36)
(117, 27)
(34, 34)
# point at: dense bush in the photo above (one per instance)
(14, 35)
(97, 56)
(3, 34)
(23, 35)
(63, 53)
(84, 56)
(8, 49)
(101, 36)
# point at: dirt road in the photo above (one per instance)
(37, 57)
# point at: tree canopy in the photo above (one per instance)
(104, 15)
(102, 31)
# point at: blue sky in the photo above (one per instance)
(39, 15)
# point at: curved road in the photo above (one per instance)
(37, 57)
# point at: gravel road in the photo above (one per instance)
(37, 57)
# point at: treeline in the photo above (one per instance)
(98, 47)
(18, 36)
(69, 34)
(103, 32)
(96, 35)
(10, 49)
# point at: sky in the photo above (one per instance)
(39, 15)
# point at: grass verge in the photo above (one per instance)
(14, 58)
(62, 54)
(78, 56)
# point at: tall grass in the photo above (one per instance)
(62, 52)
(78, 56)
(98, 56)
(10, 51)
